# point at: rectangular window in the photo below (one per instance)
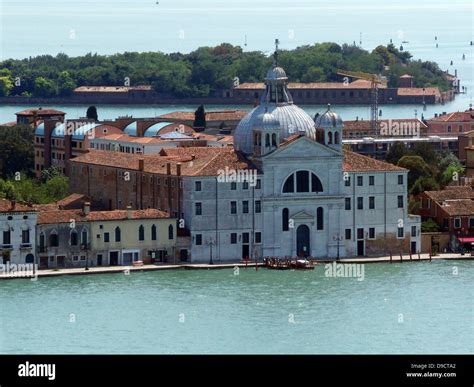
(233, 186)
(106, 237)
(360, 203)
(258, 185)
(360, 181)
(371, 180)
(233, 238)
(371, 202)
(400, 179)
(245, 185)
(233, 207)
(198, 239)
(258, 206)
(245, 237)
(348, 203)
(400, 201)
(25, 236)
(445, 222)
(457, 222)
(6, 237)
(198, 209)
(471, 222)
(197, 186)
(245, 207)
(360, 233)
(347, 181)
(401, 232)
(258, 237)
(348, 233)
(75, 258)
(413, 231)
(302, 181)
(371, 233)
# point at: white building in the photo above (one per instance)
(310, 198)
(17, 224)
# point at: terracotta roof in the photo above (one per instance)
(418, 91)
(451, 193)
(458, 207)
(207, 161)
(40, 112)
(71, 199)
(467, 116)
(7, 206)
(357, 84)
(66, 216)
(355, 162)
(367, 124)
(110, 89)
(223, 115)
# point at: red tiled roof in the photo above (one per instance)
(451, 193)
(71, 199)
(367, 124)
(458, 207)
(40, 112)
(66, 216)
(223, 115)
(357, 84)
(466, 116)
(7, 206)
(355, 162)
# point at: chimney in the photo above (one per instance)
(168, 168)
(178, 169)
(129, 212)
(87, 208)
(193, 156)
(141, 165)
(13, 204)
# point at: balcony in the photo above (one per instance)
(25, 246)
(6, 247)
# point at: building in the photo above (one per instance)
(58, 141)
(451, 124)
(17, 222)
(35, 116)
(286, 189)
(225, 120)
(85, 238)
(453, 210)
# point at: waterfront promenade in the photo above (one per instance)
(228, 265)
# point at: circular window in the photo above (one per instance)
(10, 217)
(25, 217)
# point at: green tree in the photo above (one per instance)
(92, 113)
(66, 84)
(396, 152)
(424, 184)
(44, 87)
(6, 85)
(429, 226)
(56, 188)
(16, 150)
(417, 168)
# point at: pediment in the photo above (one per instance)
(302, 215)
(303, 147)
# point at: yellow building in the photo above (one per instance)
(122, 237)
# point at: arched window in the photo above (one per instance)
(141, 233)
(53, 239)
(84, 237)
(255, 138)
(285, 220)
(304, 181)
(329, 137)
(73, 238)
(170, 232)
(336, 138)
(267, 140)
(274, 139)
(153, 233)
(118, 234)
(319, 218)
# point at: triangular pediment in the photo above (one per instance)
(303, 147)
(302, 215)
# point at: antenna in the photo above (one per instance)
(275, 55)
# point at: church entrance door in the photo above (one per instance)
(302, 241)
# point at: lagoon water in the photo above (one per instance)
(416, 307)
(110, 26)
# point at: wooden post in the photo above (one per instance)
(419, 256)
(256, 264)
(390, 257)
(401, 259)
(410, 256)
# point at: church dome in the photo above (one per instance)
(328, 120)
(277, 101)
(276, 73)
(267, 121)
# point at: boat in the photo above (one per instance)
(288, 264)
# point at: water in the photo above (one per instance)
(398, 308)
(110, 26)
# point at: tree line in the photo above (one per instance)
(207, 69)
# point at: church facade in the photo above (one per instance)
(308, 197)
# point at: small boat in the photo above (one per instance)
(288, 264)
(405, 42)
